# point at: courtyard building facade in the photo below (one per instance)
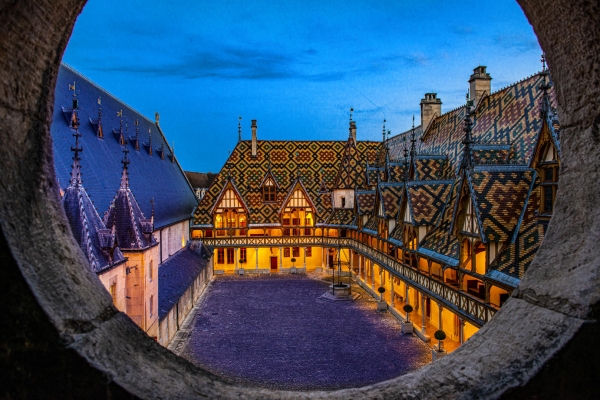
(446, 216)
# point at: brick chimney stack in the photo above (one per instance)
(430, 106)
(480, 83)
(254, 144)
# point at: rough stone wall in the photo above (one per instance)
(62, 336)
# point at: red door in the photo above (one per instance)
(273, 263)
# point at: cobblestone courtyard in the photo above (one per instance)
(274, 331)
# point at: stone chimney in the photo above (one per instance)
(254, 144)
(480, 83)
(353, 130)
(430, 106)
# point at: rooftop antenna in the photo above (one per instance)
(239, 129)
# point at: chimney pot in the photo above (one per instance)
(254, 140)
(480, 82)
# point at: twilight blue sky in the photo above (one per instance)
(295, 66)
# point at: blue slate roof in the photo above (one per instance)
(150, 176)
(96, 241)
(176, 274)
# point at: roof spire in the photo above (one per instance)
(383, 132)
(136, 145)
(76, 168)
(149, 141)
(467, 163)
(152, 213)
(239, 129)
(350, 124)
(413, 140)
(99, 132)
(546, 107)
(125, 176)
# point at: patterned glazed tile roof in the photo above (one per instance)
(439, 243)
(151, 176)
(177, 274)
(514, 259)
(426, 200)
(314, 161)
(431, 168)
(490, 153)
(396, 172)
(396, 235)
(510, 116)
(373, 173)
(372, 225)
(391, 196)
(351, 172)
(365, 202)
(397, 143)
(342, 218)
(500, 196)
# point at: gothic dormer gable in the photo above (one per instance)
(269, 187)
(230, 199)
(297, 198)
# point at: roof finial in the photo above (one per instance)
(76, 168)
(351, 111)
(544, 87)
(383, 132)
(136, 145)
(152, 213)
(413, 140)
(467, 163)
(120, 115)
(149, 141)
(99, 132)
(239, 129)
(125, 175)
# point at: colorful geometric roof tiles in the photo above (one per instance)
(351, 173)
(391, 196)
(500, 196)
(314, 162)
(365, 202)
(426, 200)
(342, 218)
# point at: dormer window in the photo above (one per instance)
(269, 188)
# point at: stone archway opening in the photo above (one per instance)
(69, 337)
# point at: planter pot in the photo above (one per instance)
(319, 269)
(406, 327)
(382, 306)
(293, 270)
(436, 355)
(241, 271)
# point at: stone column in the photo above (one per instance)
(440, 320)
(423, 317)
(236, 254)
(372, 275)
(406, 299)
(304, 248)
(351, 265)
(392, 294)
(257, 258)
(360, 261)
(280, 258)
(326, 257)
(461, 330)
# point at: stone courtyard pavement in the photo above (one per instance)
(273, 331)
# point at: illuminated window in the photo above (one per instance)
(269, 192)
(243, 254)
(309, 252)
(220, 256)
(286, 252)
(230, 256)
(296, 251)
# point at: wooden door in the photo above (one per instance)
(273, 263)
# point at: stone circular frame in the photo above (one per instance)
(545, 319)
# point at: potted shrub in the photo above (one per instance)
(381, 304)
(293, 269)
(241, 269)
(407, 326)
(438, 353)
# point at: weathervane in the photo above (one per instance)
(239, 129)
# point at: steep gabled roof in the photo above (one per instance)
(372, 225)
(390, 194)
(350, 173)
(133, 230)
(341, 218)
(512, 262)
(427, 199)
(431, 168)
(96, 241)
(314, 161)
(230, 185)
(365, 202)
(297, 185)
(151, 177)
(500, 196)
(439, 243)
